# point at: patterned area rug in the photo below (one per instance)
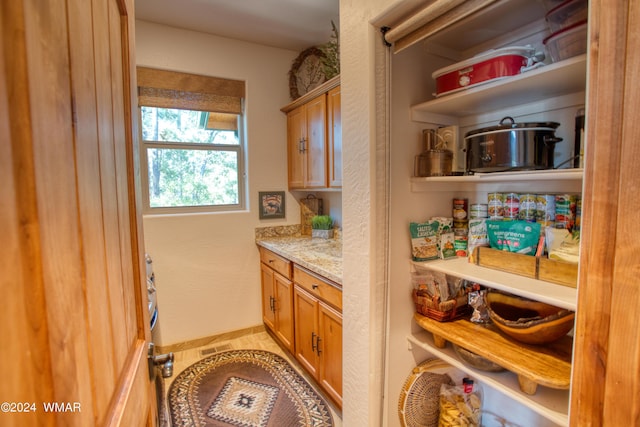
(245, 388)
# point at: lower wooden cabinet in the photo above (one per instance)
(277, 298)
(318, 339)
(304, 313)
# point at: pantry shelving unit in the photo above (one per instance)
(569, 180)
(547, 292)
(548, 402)
(554, 86)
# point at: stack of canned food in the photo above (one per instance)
(556, 210)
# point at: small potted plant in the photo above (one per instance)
(322, 226)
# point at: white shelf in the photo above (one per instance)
(538, 181)
(550, 403)
(547, 292)
(542, 84)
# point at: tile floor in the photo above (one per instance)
(260, 340)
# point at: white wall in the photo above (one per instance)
(364, 226)
(207, 265)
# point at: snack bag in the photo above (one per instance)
(460, 405)
(424, 240)
(514, 236)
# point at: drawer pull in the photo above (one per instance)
(314, 286)
(271, 261)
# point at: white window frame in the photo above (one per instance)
(239, 148)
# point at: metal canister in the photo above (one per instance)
(460, 209)
(527, 207)
(478, 210)
(511, 206)
(495, 207)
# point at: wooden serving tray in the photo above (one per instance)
(546, 365)
(549, 270)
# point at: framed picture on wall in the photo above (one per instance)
(271, 204)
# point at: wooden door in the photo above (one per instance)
(296, 134)
(605, 381)
(306, 330)
(75, 325)
(330, 347)
(268, 297)
(316, 143)
(283, 291)
(334, 143)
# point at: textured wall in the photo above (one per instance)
(207, 265)
(364, 223)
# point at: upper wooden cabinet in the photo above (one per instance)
(334, 131)
(307, 144)
(314, 138)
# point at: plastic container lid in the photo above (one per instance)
(578, 26)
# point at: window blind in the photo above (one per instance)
(172, 89)
(429, 19)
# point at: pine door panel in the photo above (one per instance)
(77, 330)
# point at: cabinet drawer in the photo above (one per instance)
(276, 262)
(318, 287)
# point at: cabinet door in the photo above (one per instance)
(268, 313)
(296, 134)
(334, 130)
(330, 349)
(306, 315)
(316, 143)
(283, 291)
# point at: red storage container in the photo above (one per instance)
(483, 68)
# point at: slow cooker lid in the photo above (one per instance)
(552, 126)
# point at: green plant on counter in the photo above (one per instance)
(321, 222)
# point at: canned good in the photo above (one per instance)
(495, 207)
(511, 206)
(565, 211)
(479, 210)
(460, 245)
(460, 209)
(460, 223)
(527, 207)
(461, 231)
(546, 208)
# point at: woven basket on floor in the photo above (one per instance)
(419, 403)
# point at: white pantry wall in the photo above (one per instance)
(207, 265)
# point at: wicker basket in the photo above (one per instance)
(419, 402)
(441, 311)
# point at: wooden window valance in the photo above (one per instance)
(172, 89)
(429, 19)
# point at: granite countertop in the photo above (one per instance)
(322, 256)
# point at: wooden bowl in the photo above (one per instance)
(475, 360)
(528, 321)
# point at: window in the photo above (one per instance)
(192, 142)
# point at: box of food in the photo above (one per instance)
(483, 68)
